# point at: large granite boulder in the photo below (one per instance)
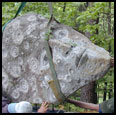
(25, 67)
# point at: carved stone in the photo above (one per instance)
(25, 67)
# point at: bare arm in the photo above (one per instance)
(84, 105)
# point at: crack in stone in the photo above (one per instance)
(77, 65)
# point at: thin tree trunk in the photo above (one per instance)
(109, 19)
(98, 93)
(105, 91)
(109, 24)
(64, 8)
(109, 33)
(110, 91)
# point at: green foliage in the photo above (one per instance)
(83, 19)
(103, 38)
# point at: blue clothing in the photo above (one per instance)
(107, 106)
(100, 111)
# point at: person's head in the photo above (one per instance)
(21, 107)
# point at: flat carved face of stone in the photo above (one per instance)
(25, 66)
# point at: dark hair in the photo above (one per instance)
(4, 94)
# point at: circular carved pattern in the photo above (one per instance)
(33, 64)
(32, 18)
(26, 45)
(24, 87)
(14, 52)
(15, 71)
(18, 37)
(60, 34)
(15, 94)
(16, 24)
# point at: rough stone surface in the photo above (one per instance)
(25, 67)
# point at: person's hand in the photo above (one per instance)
(43, 108)
(112, 62)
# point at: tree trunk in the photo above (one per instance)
(110, 91)
(109, 19)
(88, 93)
(109, 25)
(109, 33)
(64, 8)
(105, 91)
(98, 93)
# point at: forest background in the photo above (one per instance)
(93, 19)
